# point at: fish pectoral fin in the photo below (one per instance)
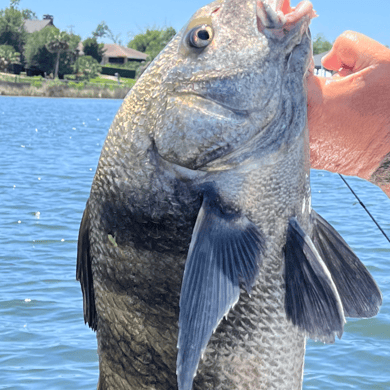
(84, 271)
(312, 300)
(360, 295)
(225, 251)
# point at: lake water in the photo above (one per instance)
(48, 155)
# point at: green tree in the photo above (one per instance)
(68, 59)
(320, 44)
(102, 30)
(27, 13)
(8, 56)
(38, 56)
(87, 67)
(12, 31)
(92, 48)
(152, 41)
(58, 43)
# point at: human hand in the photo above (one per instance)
(349, 114)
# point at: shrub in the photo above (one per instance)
(87, 67)
(36, 84)
(75, 85)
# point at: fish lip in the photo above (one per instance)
(279, 16)
(302, 10)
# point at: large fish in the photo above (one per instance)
(201, 261)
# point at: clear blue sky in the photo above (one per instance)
(130, 17)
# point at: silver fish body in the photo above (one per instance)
(201, 188)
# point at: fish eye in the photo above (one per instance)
(200, 36)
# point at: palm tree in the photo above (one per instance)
(58, 43)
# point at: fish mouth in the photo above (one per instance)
(279, 16)
(187, 91)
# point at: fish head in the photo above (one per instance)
(227, 76)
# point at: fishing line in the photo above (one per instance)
(361, 203)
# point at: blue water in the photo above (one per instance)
(48, 154)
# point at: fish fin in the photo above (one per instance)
(225, 251)
(360, 295)
(84, 271)
(312, 301)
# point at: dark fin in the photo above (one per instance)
(225, 252)
(312, 300)
(84, 271)
(358, 291)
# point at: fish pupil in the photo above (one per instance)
(203, 35)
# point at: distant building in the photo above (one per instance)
(317, 59)
(31, 26)
(115, 54)
(319, 69)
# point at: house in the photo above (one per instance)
(31, 26)
(115, 54)
(317, 59)
(319, 69)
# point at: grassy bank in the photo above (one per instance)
(36, 86)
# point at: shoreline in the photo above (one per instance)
(62, 91)
(55, 97)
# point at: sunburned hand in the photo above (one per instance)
(349, 114)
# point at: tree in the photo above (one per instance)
(320, 44)
(12, 32)
(102, 30)
(39, 57)
(27, 13)
(36, 54)
(58, 42)
(92, 48)
(8, 56)
(68, 58)
(151, 42)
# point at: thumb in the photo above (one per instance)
(354, 51)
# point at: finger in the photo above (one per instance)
(354, 51)
(343, 54)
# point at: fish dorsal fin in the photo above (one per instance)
(84, 271)
(312, 301)
(358, 291)
(225, 251)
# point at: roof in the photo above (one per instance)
(317, 59)
(36, 25)
(114, 50)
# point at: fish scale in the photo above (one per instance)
(201, 262)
